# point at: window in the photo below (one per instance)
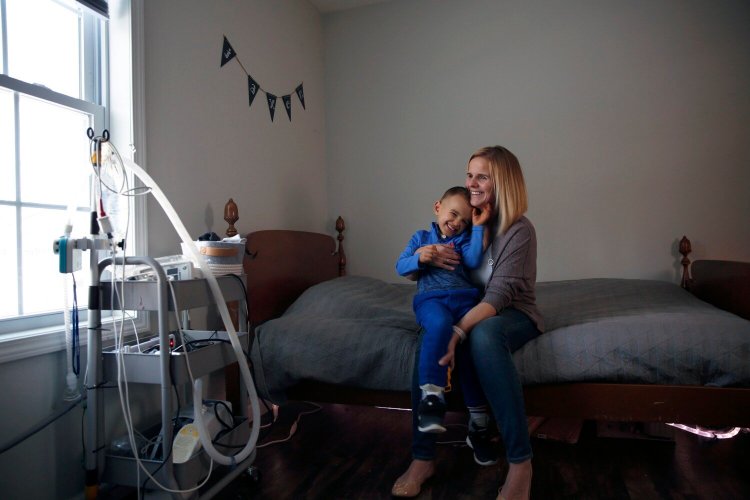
(53, 87)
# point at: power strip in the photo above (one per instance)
(144, 346)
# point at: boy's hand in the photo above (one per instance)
(480, 216)
(449, 358)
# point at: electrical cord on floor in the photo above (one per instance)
(459, 443)
(268, 428)
(294, 426)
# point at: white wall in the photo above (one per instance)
(49, 464)
(631, 120)
(206, 145)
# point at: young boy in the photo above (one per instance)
(443, 297)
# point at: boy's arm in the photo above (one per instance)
(473, 248)
(408, 262)
(479, 312)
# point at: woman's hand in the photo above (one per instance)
(439, 256)
(481, 215)
(449, 358)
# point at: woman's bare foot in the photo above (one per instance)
(517, 483)
(410, 482)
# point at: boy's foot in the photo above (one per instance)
(485, 452)
(431, 414)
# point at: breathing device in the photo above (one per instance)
(221, 305)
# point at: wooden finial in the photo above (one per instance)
(685, 249)
(231, 215)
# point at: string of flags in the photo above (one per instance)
(253, 87)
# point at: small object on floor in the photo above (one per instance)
(253, 473)
(652, 431)
(431, 414)
(567, 430)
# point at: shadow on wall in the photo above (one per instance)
(208, 218)
(677, 263)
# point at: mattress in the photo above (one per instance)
(361, 332)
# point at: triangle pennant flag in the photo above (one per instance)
(271, 104)
(301, 95)
(252, 89)
(227, 52)
(288, 105)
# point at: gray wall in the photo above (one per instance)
(631, 120)
(206, 145)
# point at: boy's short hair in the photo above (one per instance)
(457, 191)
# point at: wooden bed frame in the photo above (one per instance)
(302, 259)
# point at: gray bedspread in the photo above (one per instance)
(361, 332)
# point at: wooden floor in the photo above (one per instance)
(353, 452)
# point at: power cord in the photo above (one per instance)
(293, 428)
(40, 426)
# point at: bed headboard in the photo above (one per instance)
(282, 264)
(723, 283)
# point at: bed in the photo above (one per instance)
(614, 349)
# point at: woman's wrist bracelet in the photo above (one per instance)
(461, 334)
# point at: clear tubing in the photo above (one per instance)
(224, 312)
(71, 381)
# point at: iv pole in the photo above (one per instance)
(66, 247)
(94, 460)
(94, 416)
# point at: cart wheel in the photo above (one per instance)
(253, 473)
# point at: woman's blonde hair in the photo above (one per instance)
(511, 200)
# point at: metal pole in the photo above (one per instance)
(94, 430)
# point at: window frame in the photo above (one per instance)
(22, 337)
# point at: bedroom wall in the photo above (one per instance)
(630, 119)
(205, 144)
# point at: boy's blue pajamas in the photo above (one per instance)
(443, 298)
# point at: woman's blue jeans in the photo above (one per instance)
(490, 347)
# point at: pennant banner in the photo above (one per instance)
(227, 52)
(287, 105)
(301, 95)
(253, 87)
(271, 104)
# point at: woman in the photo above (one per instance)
(506, 318)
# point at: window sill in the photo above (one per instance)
(30, 343)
